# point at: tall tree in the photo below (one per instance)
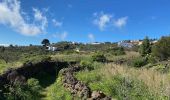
(145, 47)
(45, 42)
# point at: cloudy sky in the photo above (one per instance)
(26, 22)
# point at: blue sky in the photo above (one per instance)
(29, 21)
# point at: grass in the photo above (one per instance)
(70, 57)
(129, 55)
(57, 92)
(124, 82)
(117, 81)
(4, 66)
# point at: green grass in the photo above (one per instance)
(57, 92)
(3, 65)
(118, 85)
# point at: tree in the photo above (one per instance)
(45, 42)
(145, 47)
(161, 49)
(99, 57)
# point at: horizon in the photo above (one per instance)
(29, 22)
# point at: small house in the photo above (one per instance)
(51, 48)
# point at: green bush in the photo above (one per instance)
(85, 64)
(99, 57)
(35, 87)
(161, 49)
(151, 59)
(118, 51)
(29, 91)
(139, 62)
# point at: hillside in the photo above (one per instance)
(94, 72)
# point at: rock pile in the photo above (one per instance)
(78, 88)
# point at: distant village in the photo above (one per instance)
(124, 43)
(131, 43)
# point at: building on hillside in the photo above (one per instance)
(136, 42)
(95, 43)
(51, 48)
(131, 43)
(154, 41)
(125, 44)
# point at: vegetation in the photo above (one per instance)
(99, 57)
(137, 73)
(117, 51)
(127, 83)
(161, 49)
(139, 62)
(145, 48)
(29, 91)
(45, 42)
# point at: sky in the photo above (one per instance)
(25, 22)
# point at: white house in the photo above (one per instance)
(51, 48)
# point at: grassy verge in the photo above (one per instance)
(57, 92)
(122, 82)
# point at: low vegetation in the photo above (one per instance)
(137, 73)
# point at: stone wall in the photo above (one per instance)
(29, 70)
(78, 88)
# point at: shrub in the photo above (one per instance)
(118, 51)
(139, 62)
(151, 59)
(161, 49)
(99, 57)
(35, 87)
(29, 91)
(85, 64)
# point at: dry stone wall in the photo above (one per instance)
(78, 88)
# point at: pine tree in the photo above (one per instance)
(145, 47)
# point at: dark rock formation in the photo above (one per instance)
(29, 70)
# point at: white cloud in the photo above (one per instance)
(39, 17)
(61, 36)
(102, 20)
(91, 37)
(57, 23)
(120, 22)
(11, 14)
(5, 45)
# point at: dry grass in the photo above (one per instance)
(70, 57)
(157, 83)
(129, 55)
